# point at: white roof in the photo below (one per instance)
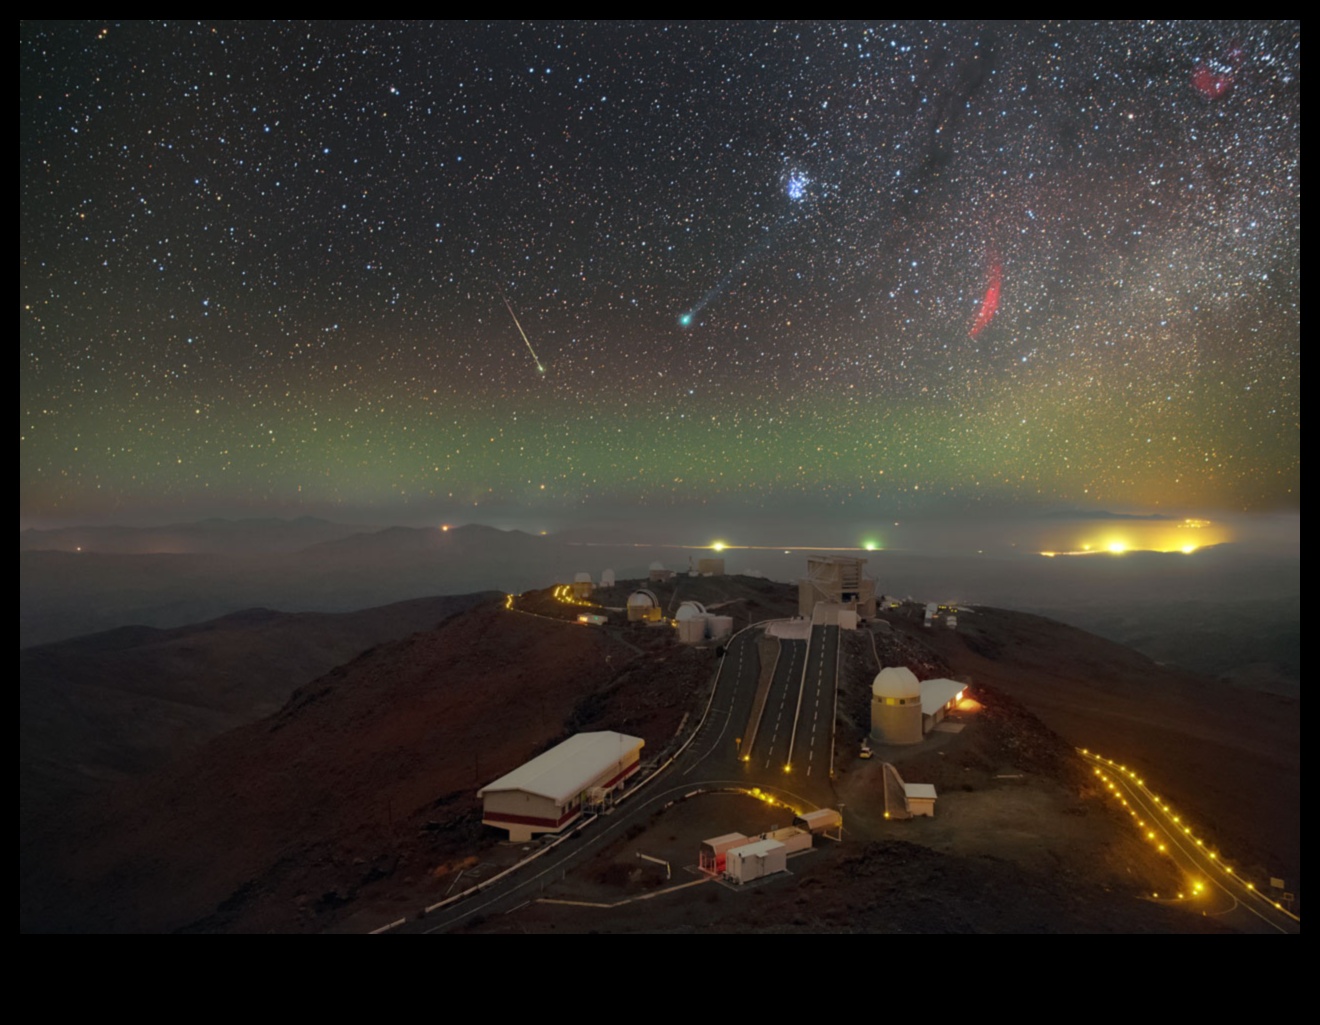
(722, 843)
(569, 767)
(828, 815)
(756, 850)
(919, 790)
(937, 693)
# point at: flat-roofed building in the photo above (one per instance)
(793, 838)
(711, 856)
(755, 860)
(819, 821)
(938, 699)
(549, 792)
(920, 799)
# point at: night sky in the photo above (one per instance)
(884, 268)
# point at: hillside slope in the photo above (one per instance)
(121, 703)
(360, 791)
(283, 807)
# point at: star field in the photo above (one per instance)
(265, 266)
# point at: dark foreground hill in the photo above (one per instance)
(1231, 753)
(125, 702)
(297, 811)
(355, 802)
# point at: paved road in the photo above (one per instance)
(711, 760)
(774, 733)
(717, 747)
(803, 689)
(813, 738)
(528, 882)
(1211, 885)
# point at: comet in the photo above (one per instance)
(535, 359)
(804, 195)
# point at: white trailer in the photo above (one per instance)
(755, 861)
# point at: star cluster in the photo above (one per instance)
(265, 265)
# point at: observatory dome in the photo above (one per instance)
(896, 682)
(690, 610)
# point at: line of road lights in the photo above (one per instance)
(769, 799)
(562, 593)
(1198, 887)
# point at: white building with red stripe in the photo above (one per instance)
(549, 792)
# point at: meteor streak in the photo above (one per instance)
(535, 358)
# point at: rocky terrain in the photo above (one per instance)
(355, 801)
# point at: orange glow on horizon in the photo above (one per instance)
(1145, 536)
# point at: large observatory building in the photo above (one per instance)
(903, 710)
(836, 581)
(896, 707)
(550, 791)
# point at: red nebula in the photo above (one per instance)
(1214, 78)
(1211, 82)
(991, 301)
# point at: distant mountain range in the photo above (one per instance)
(1171, 606)
(210, 536)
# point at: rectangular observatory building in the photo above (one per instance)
(549, 792)
(836, 581)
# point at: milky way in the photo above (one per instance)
(265, 266)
